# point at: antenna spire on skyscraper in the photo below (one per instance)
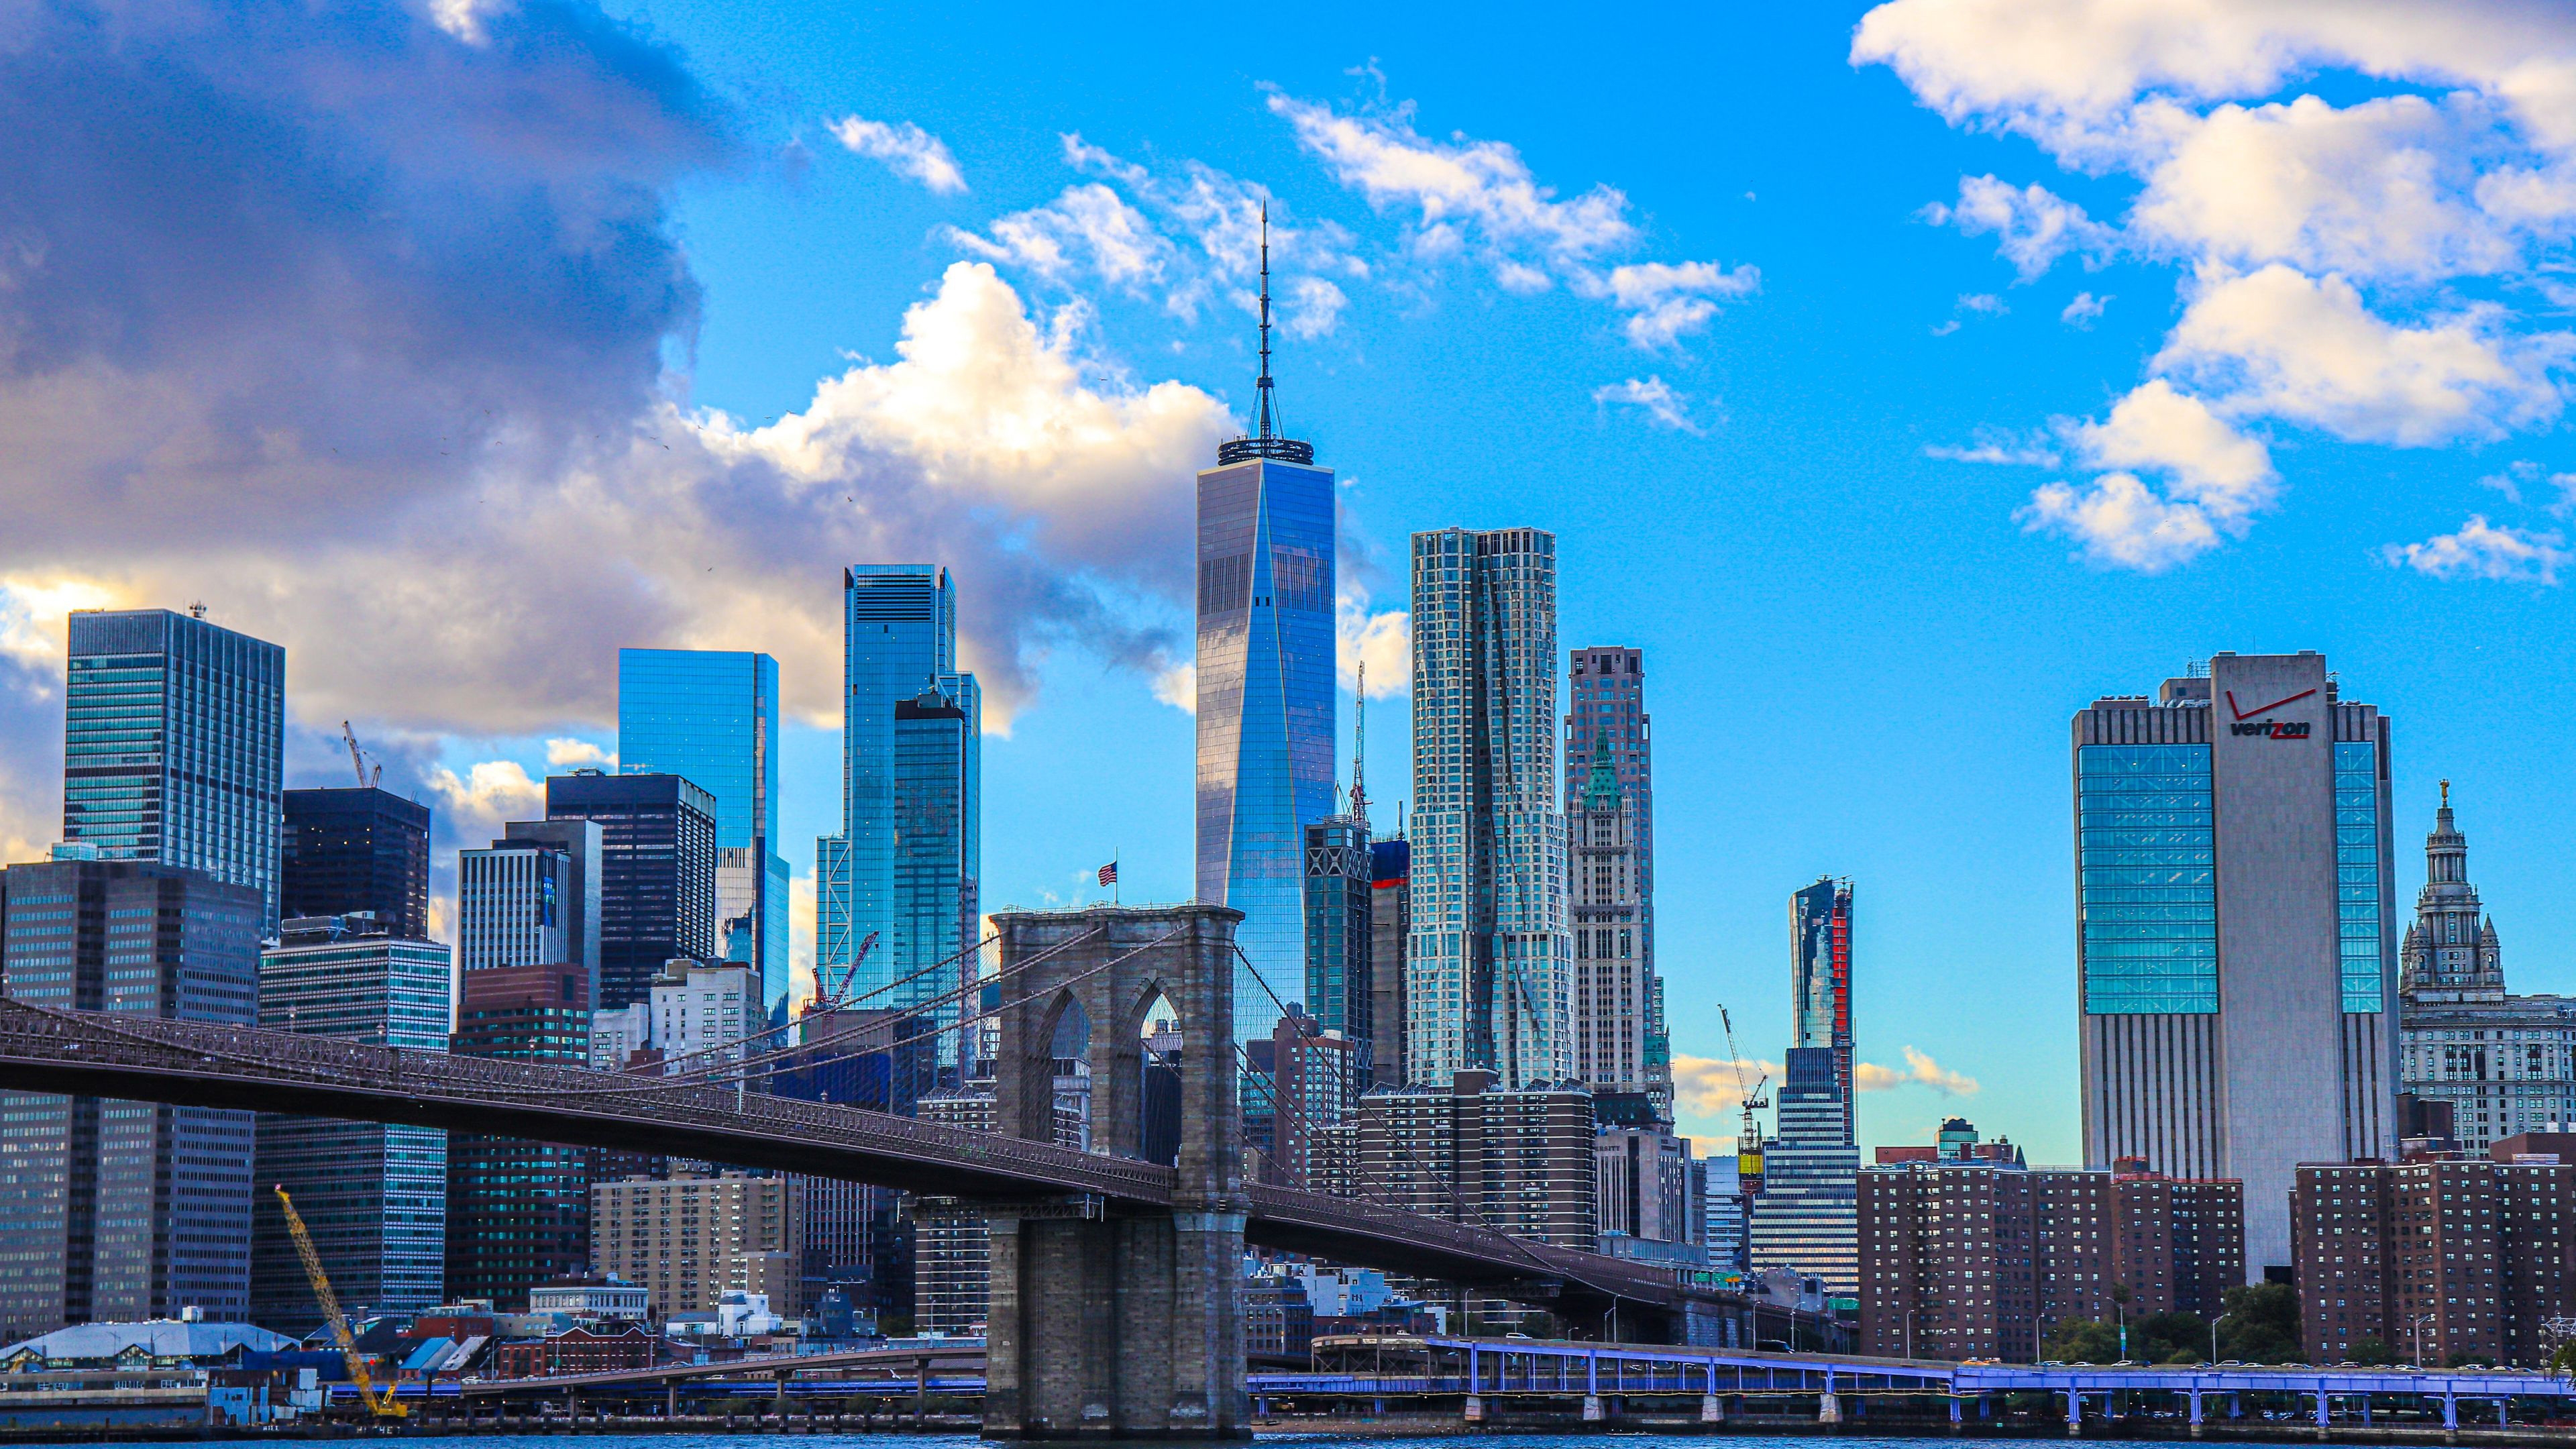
(1264, 443)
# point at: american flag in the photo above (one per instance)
(1109, 873)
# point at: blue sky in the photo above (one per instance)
(1899, 380)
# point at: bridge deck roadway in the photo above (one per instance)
(206, 1065)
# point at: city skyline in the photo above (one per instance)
(1866, 411)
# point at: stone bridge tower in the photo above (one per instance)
(1119, 1322)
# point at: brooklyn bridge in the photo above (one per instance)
(1116, 1281)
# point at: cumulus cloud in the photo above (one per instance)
(568, 754)
(906, 149)
(2318, 244)
(2083, 310)
(2480, 550)
(487, 797)
(1381, 639)
(2280, 344)
(1121, 231)
(1089, 227)
(1663, 406)
(1479, 200)
(356, 327)
(1919, 1071)
(2033, 225)
(1668, 302)
(2216, 481)
(1712, 1086)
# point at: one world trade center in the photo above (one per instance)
(1266, 693)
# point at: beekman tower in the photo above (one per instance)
(1265, 691)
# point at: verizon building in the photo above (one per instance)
(2236, 931)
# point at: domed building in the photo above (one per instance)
(2504, 1064)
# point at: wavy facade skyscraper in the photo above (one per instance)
(1489, 971)
(1266, 695)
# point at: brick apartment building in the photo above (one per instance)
(2473, 1254)
(1518, 1160)
(1967, 1259)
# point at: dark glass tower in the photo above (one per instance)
(657, 875)
(114, 1211)
(356, 849)
(518, 1212)
(1338, 938)
(1266, 693)
(174, 735)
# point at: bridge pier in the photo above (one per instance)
(2195, 1413)
(1128, 1325)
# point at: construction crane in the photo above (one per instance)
(382, 1406)
(850, 978)
(358, 759)
(1748, 1143)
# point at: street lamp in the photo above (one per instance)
(2417, 1324)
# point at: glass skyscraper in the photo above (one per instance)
(116, 1211)
(657, 874)
(174, 734)
(1266, 702)
(1808, 1215)
(2235, 930)
(711, 717)
(1488, 975)
(1820, 939)
(900, 888)
(373, 1193)
(356, 849)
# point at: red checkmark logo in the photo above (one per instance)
(2266, 709)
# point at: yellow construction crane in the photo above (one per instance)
(383, 1406)
(1748, 1143)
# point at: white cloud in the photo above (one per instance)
(1663, 406)
(2216, 480)
(2378, 189)
(2481, 550)
(1383, 640)
(2122, 523)
(1993, 446)
(1714, 1086)
(1668, 301)
(1479, 199)
(2316, 243)
(2280, 344)
(1087, 227)
(1985, 304)
(487, 797)
(1478, 187)
(1919, 1071)
(1178, 686)
(2034, 225)
(2157, 428)
(2083, 310)
(564, 754)
(906, 149)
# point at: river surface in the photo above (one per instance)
(1302, 1439)
(1297, 1437)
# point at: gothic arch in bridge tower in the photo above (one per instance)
(1117, 1320)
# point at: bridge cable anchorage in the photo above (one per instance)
(1449, 1188)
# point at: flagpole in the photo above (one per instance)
(1114, 884)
